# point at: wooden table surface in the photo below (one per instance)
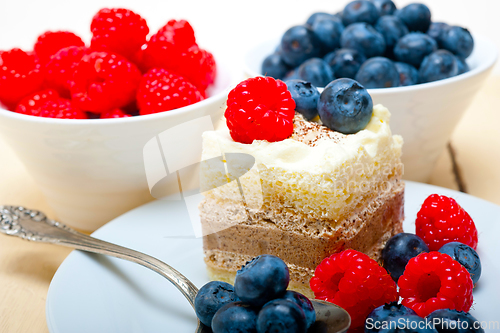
(26, 269)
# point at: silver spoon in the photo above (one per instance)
(35, 226)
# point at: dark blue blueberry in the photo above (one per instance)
(384, 7)
(274, 66)
(438, 65)
(298, 44)
(292, 75)
(264, 278)
(345, 62)
(235, 317)
(392, 28)
(399, 250)
(466, 256)
(383, 313)
(304, 303)
(281, 315)
(453, 321)
(318, 16)
(407, 324)
(437, 30)
(459, 41)
(316, 71)
(328, 31)
(210, 298)
(360, 11)
(416, 16)
(345, 106)
(463, 67)
(414, 47)
(363, 38)
(378, 72)
(408, 75)
(306, 97)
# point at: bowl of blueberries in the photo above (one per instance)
(425, 72)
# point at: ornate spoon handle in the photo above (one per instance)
(35, 226)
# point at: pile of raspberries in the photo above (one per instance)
(121, 73)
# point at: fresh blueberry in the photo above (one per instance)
(363, 38)
(235, 317)
(345, 106)
(291, 75)
(345, 62)
(210, 298)
(392, 28)
(416, 16)
(383, 313)
(262, 279)
(298, 44)
(437, 30)
(318, 16)
(274, 66)
(407, 324)
(306, 97)
(316, 71)
(462, 66)
(399, 250)
(281, 315)
(360, 11)
(304, 303)
(438, 65)
(328, 31)
(378, 72)
(466, 256)
(453, 321)
(384, 7)
(414, 47)
(408, 75)
(459, 41)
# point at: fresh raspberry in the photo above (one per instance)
(355, 282)
(165, 48)
(104, 81)
(20, 75)
(118, 30)
(441, 220)
(434, 281)
(50, 42)
(116, 113)
(197, 66)
(61, 66)
(161, 90)
(48, 104)
(260, 108)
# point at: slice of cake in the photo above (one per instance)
(306, 197)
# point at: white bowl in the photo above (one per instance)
(92, 171)
(425, 114)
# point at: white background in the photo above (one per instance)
(227, 28)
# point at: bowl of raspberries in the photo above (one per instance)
(79, 113)
(424, 71)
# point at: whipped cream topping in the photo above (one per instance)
(310, 132)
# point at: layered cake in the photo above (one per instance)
(306, 197)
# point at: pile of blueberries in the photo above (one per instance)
(258, 302)
(374, 43)
(395, 255)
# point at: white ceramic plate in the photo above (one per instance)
(98, 294)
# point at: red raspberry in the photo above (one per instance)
(441, 220)
(104, 81)
(162, 91)
(48, 104)
(50, 42)
(355, 282)
(118, 30)
(20, 75)
(197, 66)
(260, 108)
(59, 69)
(116, 113)
(434, 281)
